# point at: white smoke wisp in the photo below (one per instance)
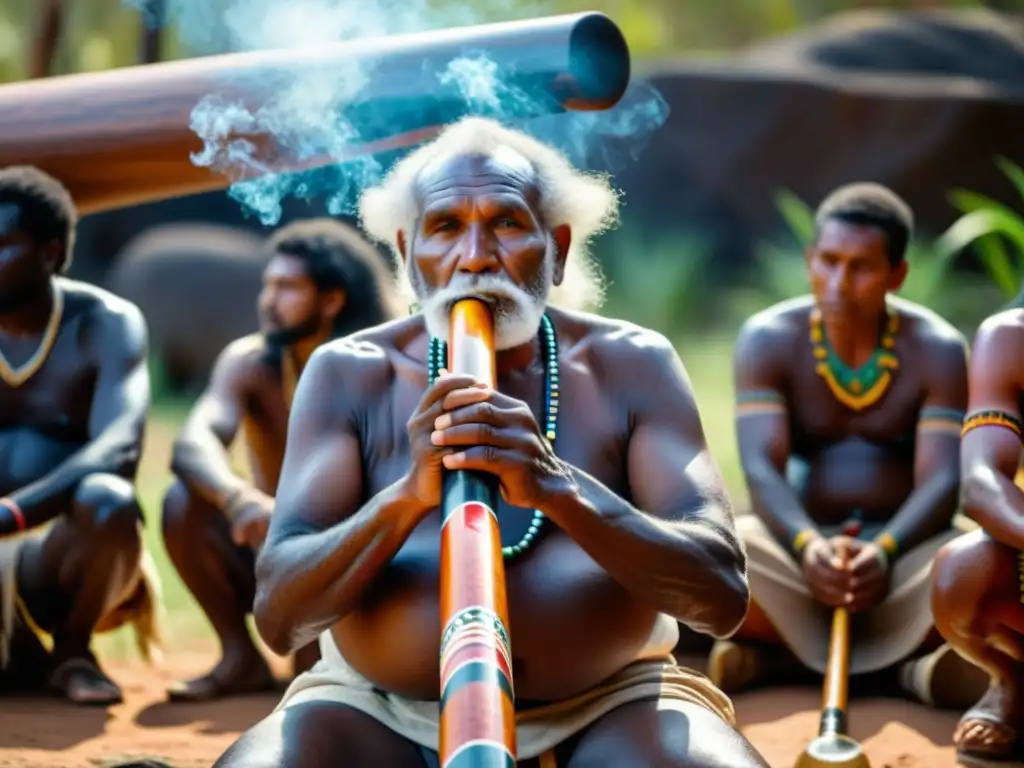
(586, 202)
(304, 118)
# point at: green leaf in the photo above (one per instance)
(1013, 172)
(972, 227)
(798, 215)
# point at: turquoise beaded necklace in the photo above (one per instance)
(437, 359)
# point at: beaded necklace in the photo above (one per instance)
(15, 376)
(437, 359)
(862, 387)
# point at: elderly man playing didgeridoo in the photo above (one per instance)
(849, 408)
(614, 517)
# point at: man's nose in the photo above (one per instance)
(478, 253)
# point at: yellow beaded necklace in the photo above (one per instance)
(864, 386)
(16, 376)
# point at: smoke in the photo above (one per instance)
(318, 116)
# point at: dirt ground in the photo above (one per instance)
(49, 734)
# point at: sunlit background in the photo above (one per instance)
(772, 104)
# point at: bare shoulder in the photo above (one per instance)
(1002, 333)
(773, 330)
(930, 332)
(107, 319)
(999, 348)
(355, 370)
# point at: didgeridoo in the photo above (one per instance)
(478, 728)
(833, 747)
(124, 136)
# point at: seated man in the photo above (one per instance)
(858, 397)
(978, 586)
(324, 280)
(632, 529)
(74, 395)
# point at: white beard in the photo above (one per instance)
(517, 311)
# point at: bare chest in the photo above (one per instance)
(265, 429)
(57, 398)
(592, 433)
(818, 417)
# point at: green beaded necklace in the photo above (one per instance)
(437, 359)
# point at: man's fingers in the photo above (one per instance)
(483, 457)
(446, 384)
(477, 434)
(464, 396)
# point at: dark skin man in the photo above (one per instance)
(978, 587)
(323, 280)
(849, 405)
(639, 532)
(74, 395)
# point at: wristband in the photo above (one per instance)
(889, 545)
(993, 418)
(19, 518)
(801, 540)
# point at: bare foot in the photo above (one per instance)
(81, 681)
(986, 730)
(231, 677)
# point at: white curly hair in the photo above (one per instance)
(586, 202)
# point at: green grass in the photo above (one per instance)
(708, 361)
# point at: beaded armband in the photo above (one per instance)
(936, 420)
(801, 540)
(992, 418)
(758, 402)
(889, 545)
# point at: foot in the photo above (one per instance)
(231, 677)
(734, 667)
(80, 680)
(987, 729)
(943, 679)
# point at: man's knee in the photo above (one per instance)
(964, 572)
(108, 505)
(184, 513)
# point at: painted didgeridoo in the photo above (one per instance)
(122, 137)
(478, 727)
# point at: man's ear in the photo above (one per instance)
(53, 255)
(400, 244)
(334, 303)
(899, 274)
(563, 239)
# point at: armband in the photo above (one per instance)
(758, 402)
(888, 544)
(934, 419)
(16, 514)
(991, 419)
(801, 540)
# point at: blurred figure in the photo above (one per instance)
(74, 395)
(849, 404)
(323, 281)
(978, 589)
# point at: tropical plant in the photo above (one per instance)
(992, 229)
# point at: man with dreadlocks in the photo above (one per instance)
(74, 394)
(323, 281)
(848, 410)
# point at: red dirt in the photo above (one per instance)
(48, 733)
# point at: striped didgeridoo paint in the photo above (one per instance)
(478, 728)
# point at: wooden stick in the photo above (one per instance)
(835, 695)
(478, 728)
(124, 136)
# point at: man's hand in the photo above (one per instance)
(869, 575)
(251, 519)
(825, 572)
(449, 391)
(499, 434)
